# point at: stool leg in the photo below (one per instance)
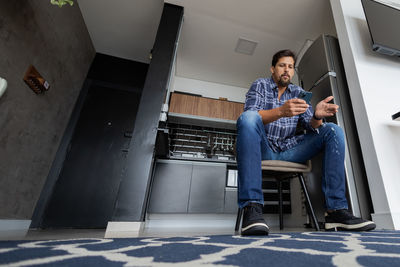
(238, 218)
(308, 201)
(280, 204)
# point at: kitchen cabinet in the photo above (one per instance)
(188, 187)
(205, 107)
(171, 187)
(207, 188)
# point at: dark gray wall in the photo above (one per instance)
(134, 187)
(55, 40)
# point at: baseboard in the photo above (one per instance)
(123, 229)
(13, 229)
(183, 221)
(386, 220)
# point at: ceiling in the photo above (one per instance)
(210, 32)
(122, 28)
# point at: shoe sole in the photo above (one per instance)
(365, 226)
(256, 229)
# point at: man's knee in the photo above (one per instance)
(248, 118)
(332, 128)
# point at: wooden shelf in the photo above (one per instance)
(205, 107)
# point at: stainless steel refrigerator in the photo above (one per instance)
(321, 71)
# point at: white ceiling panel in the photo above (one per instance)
(211, 29)
(212, 57)
(122, 28)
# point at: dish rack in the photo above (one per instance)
(197, 142)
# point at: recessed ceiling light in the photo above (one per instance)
(245, 46)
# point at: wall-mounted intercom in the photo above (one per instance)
(35, 81)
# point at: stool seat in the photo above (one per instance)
(285, 166)
(282, 170)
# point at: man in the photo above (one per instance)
(266, 130)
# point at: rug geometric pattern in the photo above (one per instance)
(376, 248)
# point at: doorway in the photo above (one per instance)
(85, 193)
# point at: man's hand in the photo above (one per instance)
(293, 107)
(324, 109)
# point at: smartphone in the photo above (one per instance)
(306, 96)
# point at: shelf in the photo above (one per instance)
(208, 162)
(396, 117)
(392, 123)
(201, 121)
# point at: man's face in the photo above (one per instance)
(283, 71)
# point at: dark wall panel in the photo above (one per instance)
(118, 71)
(135, 185)
(114, 76)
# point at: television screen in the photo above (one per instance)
(383, 18)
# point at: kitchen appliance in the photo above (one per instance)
(321, 72)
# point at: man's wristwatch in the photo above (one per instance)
(315, 117)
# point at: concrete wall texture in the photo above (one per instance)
(55, 40)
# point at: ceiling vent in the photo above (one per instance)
(245, 46)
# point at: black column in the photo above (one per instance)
(134, 186)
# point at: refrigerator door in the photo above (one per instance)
(315, 63)
(321, 72)
(360, 196)
(328, 87)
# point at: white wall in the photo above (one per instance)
(209, 89)
(212, 90)
(375, 94)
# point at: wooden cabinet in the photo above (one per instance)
(205, 107)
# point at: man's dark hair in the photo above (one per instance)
(283, 53)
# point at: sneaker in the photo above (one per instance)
(345, 221)
(253, 221)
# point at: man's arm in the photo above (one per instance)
(270, 115)
(315, 123)
(292, 107)
(323, 109)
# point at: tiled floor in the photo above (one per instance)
(159, 225)
(52, 234)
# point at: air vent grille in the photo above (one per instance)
(245, 46)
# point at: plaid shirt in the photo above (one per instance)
(263, 95)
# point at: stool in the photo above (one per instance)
(282, 170)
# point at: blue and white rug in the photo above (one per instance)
(377, 248)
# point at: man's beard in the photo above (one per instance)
(282, 83)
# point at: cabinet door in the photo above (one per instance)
(237, 110)
(231, 205)
(170, 189)
(181, 103)
(207, 190)
(205, 107)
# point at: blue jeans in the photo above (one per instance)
(252, 147)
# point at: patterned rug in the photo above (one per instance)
(377, 248)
